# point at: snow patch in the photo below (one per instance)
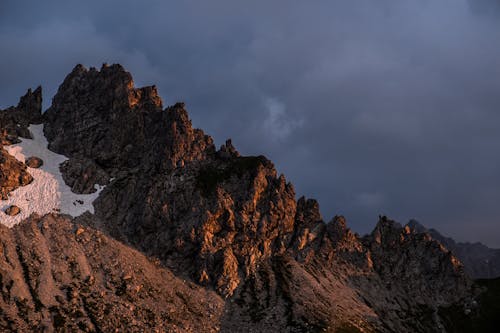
(48, 192)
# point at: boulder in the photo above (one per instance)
(13, 210)
(34, 162)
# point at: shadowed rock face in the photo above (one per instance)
(229, 224)
(480, 261)
(14, 121)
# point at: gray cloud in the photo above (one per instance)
(370, 106)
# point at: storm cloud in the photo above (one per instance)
(372, 107)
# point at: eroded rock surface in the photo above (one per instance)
(12, 174)
(480, 261)
(54, 278)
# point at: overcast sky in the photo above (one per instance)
(371, 107)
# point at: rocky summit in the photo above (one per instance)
(187, 237)
(480, 261)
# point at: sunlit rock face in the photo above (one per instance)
(13, 174)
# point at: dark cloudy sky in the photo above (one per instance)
(372, 107)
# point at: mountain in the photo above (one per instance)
(480, 261)
(185, 237)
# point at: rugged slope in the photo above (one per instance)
(480, 261)
(57, 276)
(231, 224)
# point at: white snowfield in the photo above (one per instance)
(48, 192)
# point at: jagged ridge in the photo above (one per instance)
(231, 223)
(480, 261)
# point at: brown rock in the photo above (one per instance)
(34, 162)
(13, 174)
(13, 210)
(14, 121)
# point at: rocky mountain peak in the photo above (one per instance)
(480, 261)
(113, 82)
(337, 228)
(398, 253)
(14, 121)
(415, 226)
(308, 211)
(386, 231)
(100, 120)
(183, 143)
(30, 105)
(226, 222)
(227, 150)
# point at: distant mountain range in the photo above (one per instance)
(128, 219)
